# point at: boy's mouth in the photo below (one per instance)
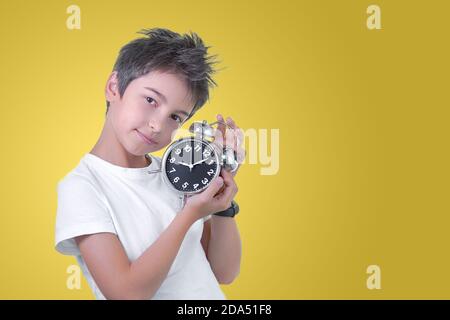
(145, 138)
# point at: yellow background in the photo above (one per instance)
(363, 119)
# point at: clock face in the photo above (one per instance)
(190, 164)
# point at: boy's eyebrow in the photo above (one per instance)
(157, 92)
(165, 100)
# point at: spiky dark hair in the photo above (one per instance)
(165, 50)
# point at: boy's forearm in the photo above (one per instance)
(224, 248)
(147, 273)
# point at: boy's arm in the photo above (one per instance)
(222, 245)
(116, 277)
(206, 236)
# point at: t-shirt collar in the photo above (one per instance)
(124, 171)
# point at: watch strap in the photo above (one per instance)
(230, 212)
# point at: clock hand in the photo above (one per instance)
(187, 165)
(198, 162)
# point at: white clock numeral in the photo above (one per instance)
(211, 162)
(205, 181)
(185, 185)
(178, 151)
(176, 179)
(196, 185)
(173, 170)
(210, 172)
(172, 160)
(206, 153)
(188, 148)
(197, 148)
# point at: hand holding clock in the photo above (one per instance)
(222, 190)
(210, 188)
(213, 199)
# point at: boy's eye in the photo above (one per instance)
(150, 100)
(176, 118)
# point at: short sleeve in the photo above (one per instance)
(81, 210)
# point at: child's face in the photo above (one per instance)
(142, 111)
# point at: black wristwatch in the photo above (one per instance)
(230, 212)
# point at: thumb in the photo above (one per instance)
(214, 187)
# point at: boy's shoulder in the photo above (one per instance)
(80, 174)
(86, 171)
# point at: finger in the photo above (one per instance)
(240, 152)
(230, 139)
(221, 128)
(218, 139)
(239, 136)
(227, 177)
(214, 187)
(231, 123)
(227, 195)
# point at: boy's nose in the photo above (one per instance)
(155, 125)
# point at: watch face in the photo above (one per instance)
(190, 164)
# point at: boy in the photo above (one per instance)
(132, 236)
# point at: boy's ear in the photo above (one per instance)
(112, 88)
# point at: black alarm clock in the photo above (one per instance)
(190, 164)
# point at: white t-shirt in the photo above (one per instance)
(98, 196)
